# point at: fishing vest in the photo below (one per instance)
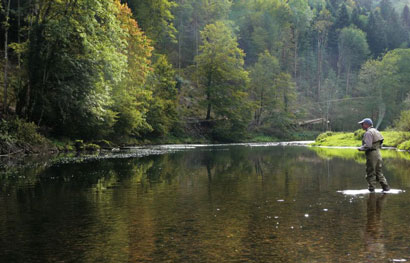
(377, 138)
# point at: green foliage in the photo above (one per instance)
(394, 138)
(131, 97)
(263, 90)
(92, 147)
(156, 19)
(223, 81)
(83, 68)
(262, 138)
(391, 138)
(74, 62)
(322, 137)
(337, 139)
(358, 134)
(17, 134)
(162, 114)
(404, 146)
(388, 82)
(79, 145)
(403, 123)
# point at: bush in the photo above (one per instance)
(358, 134)
(92, 147)
(79, 145)
(403, 123)
(323, 136)
(104, 144)
(404, 146)
(17, 134)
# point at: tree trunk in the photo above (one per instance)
(347, 79)
(295, 66)
(180, 31)
(319, 66)
(6, 58)
(208, 96)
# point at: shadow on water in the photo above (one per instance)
(209, 204)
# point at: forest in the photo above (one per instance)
(148, 71)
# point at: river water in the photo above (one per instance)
(225, 203)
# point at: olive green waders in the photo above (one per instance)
(374, 164)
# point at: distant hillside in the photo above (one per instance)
(398, 4)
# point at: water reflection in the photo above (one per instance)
(225, 204)
(374, 234)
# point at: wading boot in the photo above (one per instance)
(371, 189)
(385, 187)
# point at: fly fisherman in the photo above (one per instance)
(372, 142)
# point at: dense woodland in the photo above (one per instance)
(225, 70)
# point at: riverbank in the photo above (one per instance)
(396, 139)
(18, 137)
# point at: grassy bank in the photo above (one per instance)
(400, 140)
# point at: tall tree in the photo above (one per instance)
(263, 83)
(342, 20)
(301, 17)
(322, 25)
(376, 34)
(162, 114)
(353, 50)
(131, 96)
(267, 26)
(74, 61)
(222, 77)
(405, 17)
(156, 20)
(6, 26)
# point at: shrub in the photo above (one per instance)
(358, 134)
(92, 147)
(323, 136)
(404, 146)
(403, 123)
(79, 145)
(17, 134)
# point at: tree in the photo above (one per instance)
(74, 60)
(266, 25)
(353, 50)
(405, 17)
(301, 17)
(376, 34)
(394, 31)
(341, 21)
(222, 78)
(162, 113)
(131, 96)
(263, 86)
(321, 26)
(6, 25)
(388, 81)
(156, 20)
(191, 16)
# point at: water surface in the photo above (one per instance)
(205, 204)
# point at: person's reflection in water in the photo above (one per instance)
(374, 238)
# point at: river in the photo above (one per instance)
(224, 203)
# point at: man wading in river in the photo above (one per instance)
(372, 142)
